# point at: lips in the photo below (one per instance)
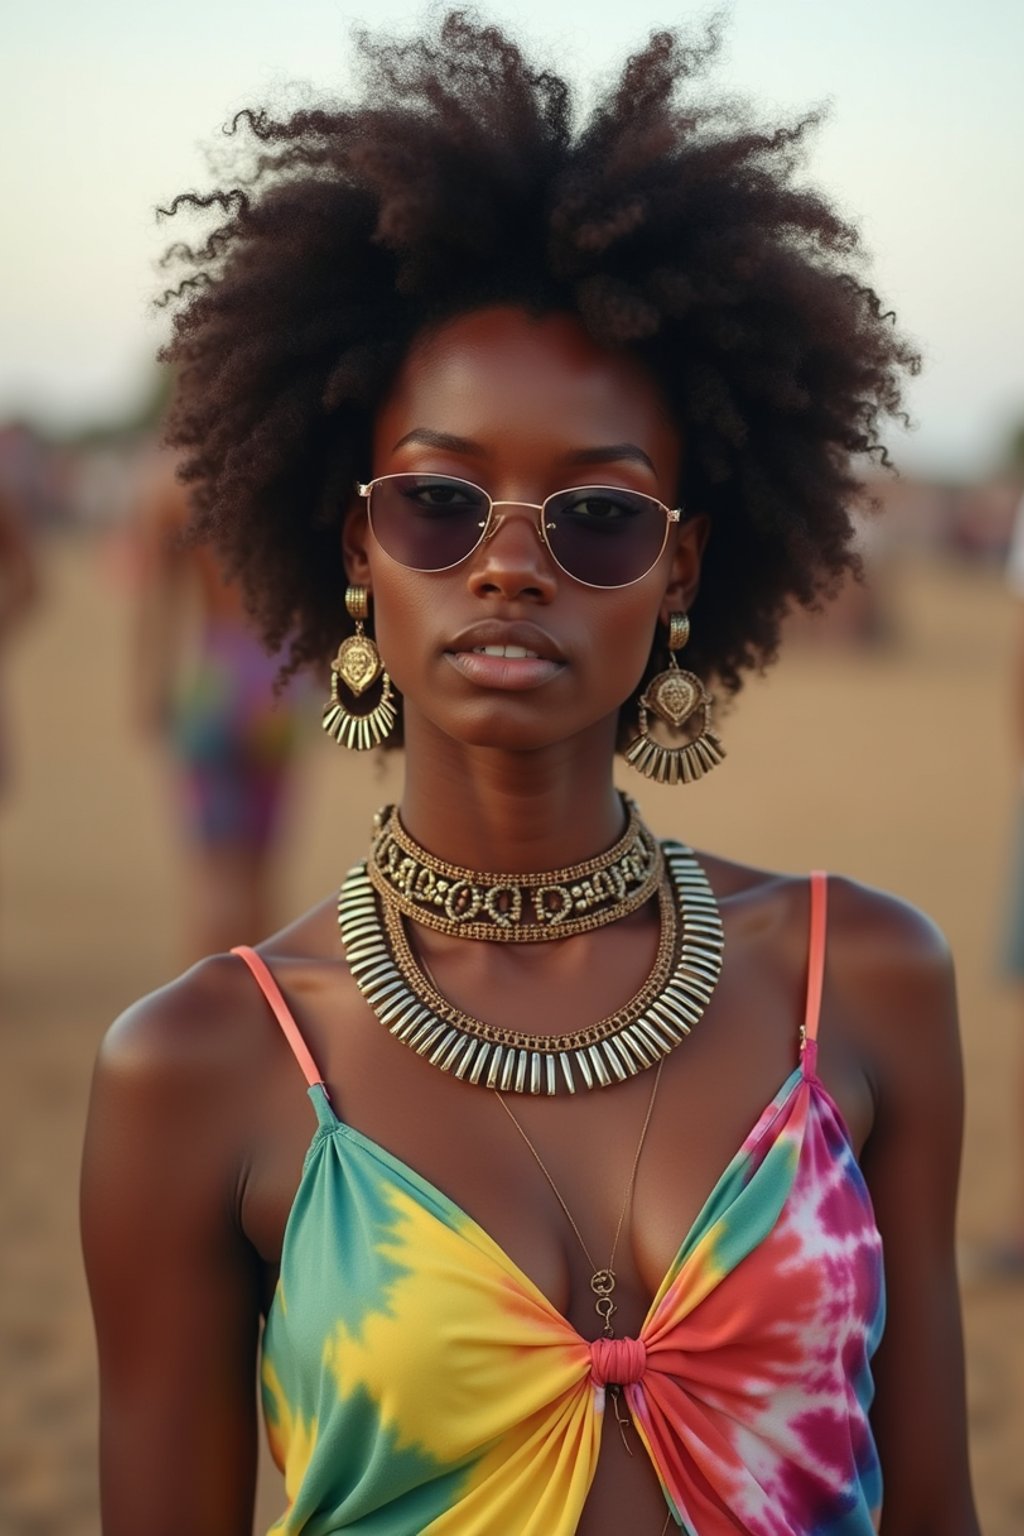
(512, 641)
(512, 656)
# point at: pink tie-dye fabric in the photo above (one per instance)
(417, 1381)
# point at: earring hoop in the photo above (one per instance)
(675, 696)
(357, 667)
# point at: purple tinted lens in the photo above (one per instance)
(603, 536)
(427, 522)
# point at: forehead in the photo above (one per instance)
(515, 381)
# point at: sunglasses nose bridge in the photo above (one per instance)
(495, 521)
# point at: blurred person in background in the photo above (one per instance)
(502, 410)
(19, 587)
(203, 689)
(1008, 1257)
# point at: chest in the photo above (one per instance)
(409, 1302)
(568, 1188)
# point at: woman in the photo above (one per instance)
(204, 692)
(532, 404)
(19, 587)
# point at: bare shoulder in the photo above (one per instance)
(884, 927)
(198, 1036)
(874, 937)
(210, 1029)
(886, 952)
(889, 981)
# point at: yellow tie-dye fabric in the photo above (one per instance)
(418, 1382)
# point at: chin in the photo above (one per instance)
(506, 737)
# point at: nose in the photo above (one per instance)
(513, 560)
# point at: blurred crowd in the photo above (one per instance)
(201, 688)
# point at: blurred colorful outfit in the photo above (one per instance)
(416, 1380)
(233, 740)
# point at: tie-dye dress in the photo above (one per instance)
(416, 1380)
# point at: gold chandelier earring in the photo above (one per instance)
(356, 668)
(677, 698)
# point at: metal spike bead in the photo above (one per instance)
(617, 1060)
(696, 964)
(420, 1033)
(600, 1070)
(440, 1049)
(407, 1024)
(584, 1066)
(382, 985)
(627, 1055)
(398, 1008)
(668, 1025)
(480, 1062)
(679, 995)
(658, 1035)
(400, 1015)
(467, 1056)
(367, 971)
(631, 1040)
(371, 974)
(368, 949)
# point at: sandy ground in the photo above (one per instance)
(894, 766)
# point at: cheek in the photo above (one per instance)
(402, 614)
(631, 633)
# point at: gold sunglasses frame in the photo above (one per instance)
(490, 525)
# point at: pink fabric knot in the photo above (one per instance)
(617, 1362)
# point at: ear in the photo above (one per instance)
(684, 570)
(355, 539)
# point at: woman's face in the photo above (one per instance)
(522, 407)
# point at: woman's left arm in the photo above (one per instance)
(901, 987)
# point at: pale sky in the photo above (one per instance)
(108, 106)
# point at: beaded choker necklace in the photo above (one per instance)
(654, 1021)
(514, 908)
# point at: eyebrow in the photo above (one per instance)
(446, 440)
(613, 452)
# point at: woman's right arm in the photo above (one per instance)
(174, 1285)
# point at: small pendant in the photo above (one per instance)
(622, 1418)
(602, 1283)
(357, 663)
(674, 695)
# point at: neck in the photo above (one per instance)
(492, 809)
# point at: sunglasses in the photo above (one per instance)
(599, 535)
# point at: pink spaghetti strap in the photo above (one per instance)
(815, 971)
(272, 992)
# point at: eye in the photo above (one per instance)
(605, 509)
(440, 495)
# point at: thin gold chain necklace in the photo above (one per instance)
(602, 1281)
